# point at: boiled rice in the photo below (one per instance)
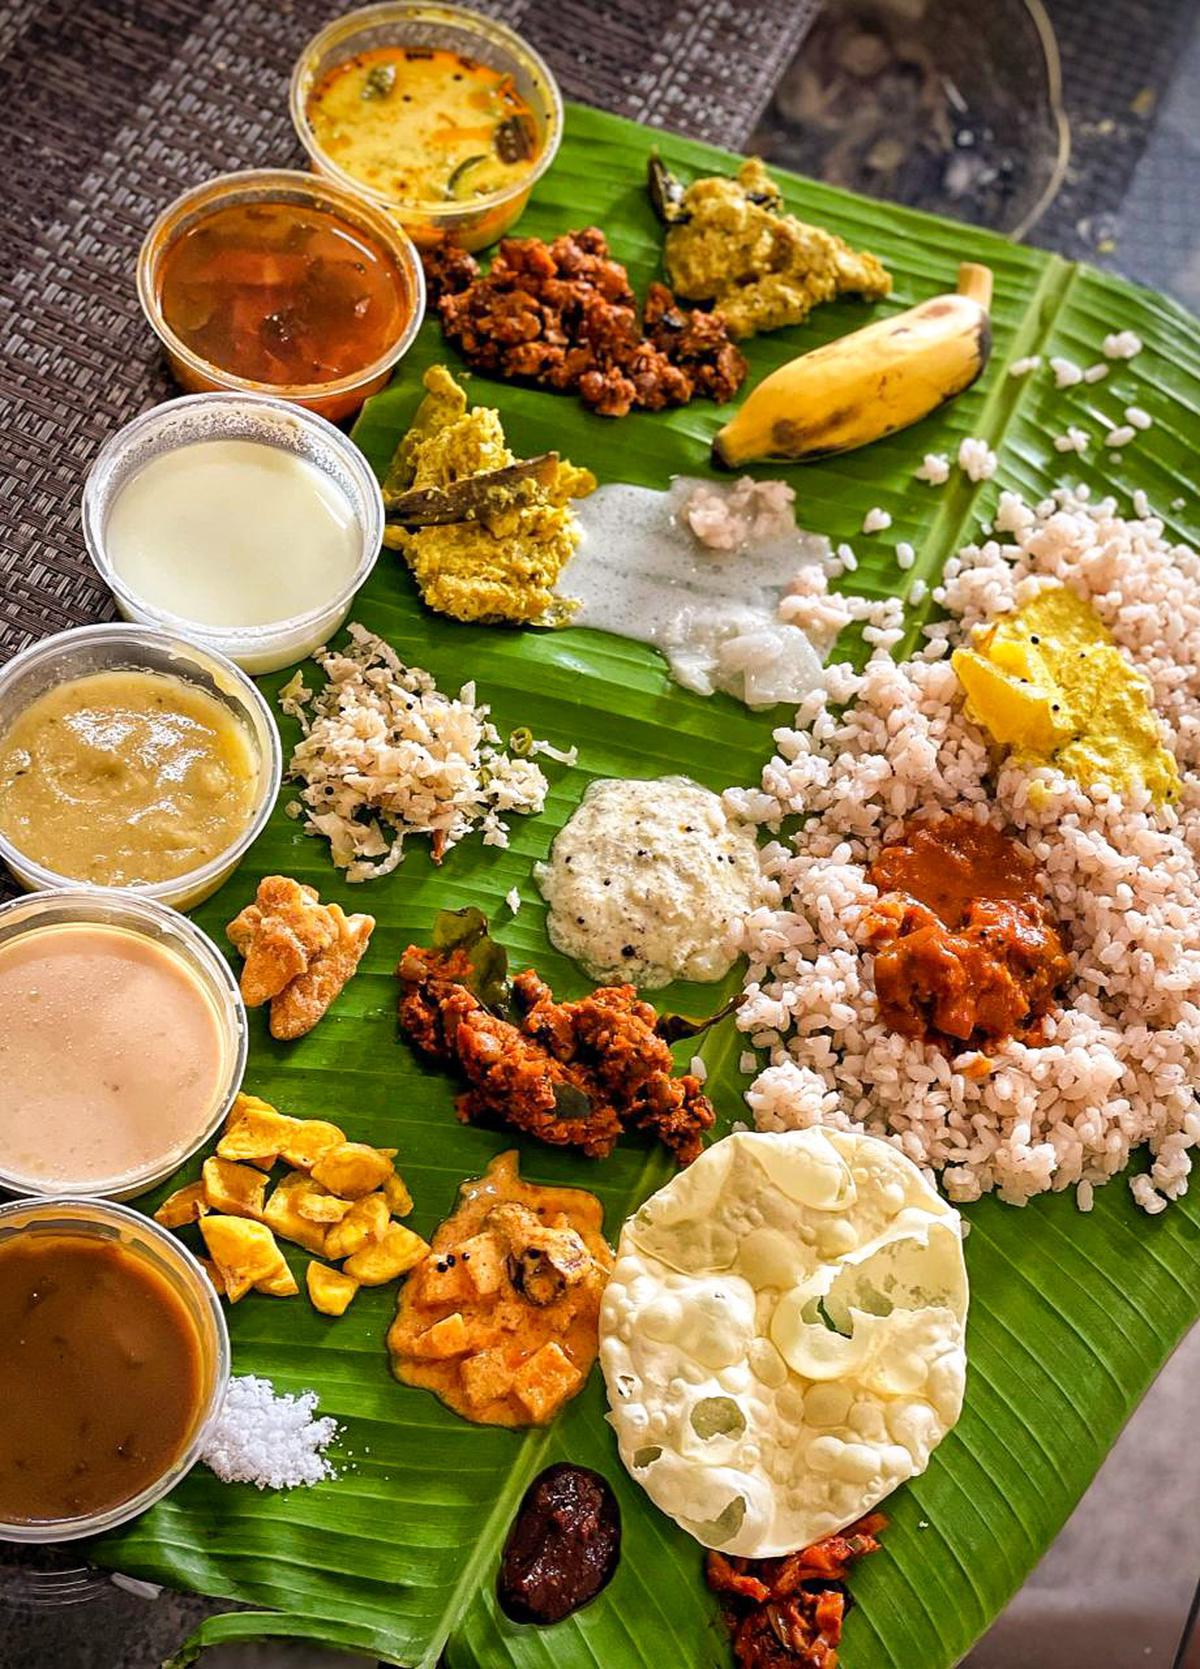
(1122, 1060)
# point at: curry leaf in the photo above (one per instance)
(467, 930)
(673, 1028)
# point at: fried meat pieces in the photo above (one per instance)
(573, 1074)
(563, 315)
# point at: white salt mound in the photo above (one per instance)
(273, 1442)
(1122, 1060)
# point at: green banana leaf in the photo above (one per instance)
(1072, 1315)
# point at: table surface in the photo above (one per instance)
(108, 108)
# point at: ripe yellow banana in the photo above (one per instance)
(868, 384)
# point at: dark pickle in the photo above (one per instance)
(563, 1547)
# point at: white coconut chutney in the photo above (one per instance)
(645, 882)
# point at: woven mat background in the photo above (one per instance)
(111, 107)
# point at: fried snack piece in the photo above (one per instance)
(395, 1191)
(185, 1205)
(572, 1074)
(563, 315)
(353, 1169)
(319, 1205)
(381, 1261)
(329, 1289)
(256, 1133)
(246, 1255)
(280, 1285)
(236, 1190)
(366, 1222)
(301, 1004)
(297, 953)
(281, 1213)
(278, 935)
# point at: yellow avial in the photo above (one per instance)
(1048, 682)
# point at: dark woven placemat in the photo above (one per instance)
(110, 108)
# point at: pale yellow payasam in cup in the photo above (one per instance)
(499, 117)
(132, 757)
(123, 1045)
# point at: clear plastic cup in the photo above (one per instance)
(103, 1221)
(479, 221)
(335, 400)
(107, 648)
(252, 417)
(111, 907)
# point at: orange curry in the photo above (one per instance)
(501, 1320)
(967, 951)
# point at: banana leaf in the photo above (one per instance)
(1072, 1314)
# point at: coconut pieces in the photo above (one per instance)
(338, 1200)
(298, 954)
(385, 756)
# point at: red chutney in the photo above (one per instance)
(282, 293)
(967, 951)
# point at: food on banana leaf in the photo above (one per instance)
(385, 755)
(299, 954)
(254, 1131)
(500, 1321)
(573, 1074)
(337, 1202)
(788, 1613)
(783, 1338)
(732, 242)
(1122, 875)
(754, 621)
(486, 535)
(364, 1222)
(741, 516)
(395, 1252)
(563, 1546)
(1049, 683)
(246, 1255)
(330, 1290)
(967, 950)
(868, 384)
(237, 1190)
(564, 316)
(646, 880)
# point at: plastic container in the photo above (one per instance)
(172, 1261)
(481, 220)
(253, 417)
(106, 648)
(334, 400)
(111, 907)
